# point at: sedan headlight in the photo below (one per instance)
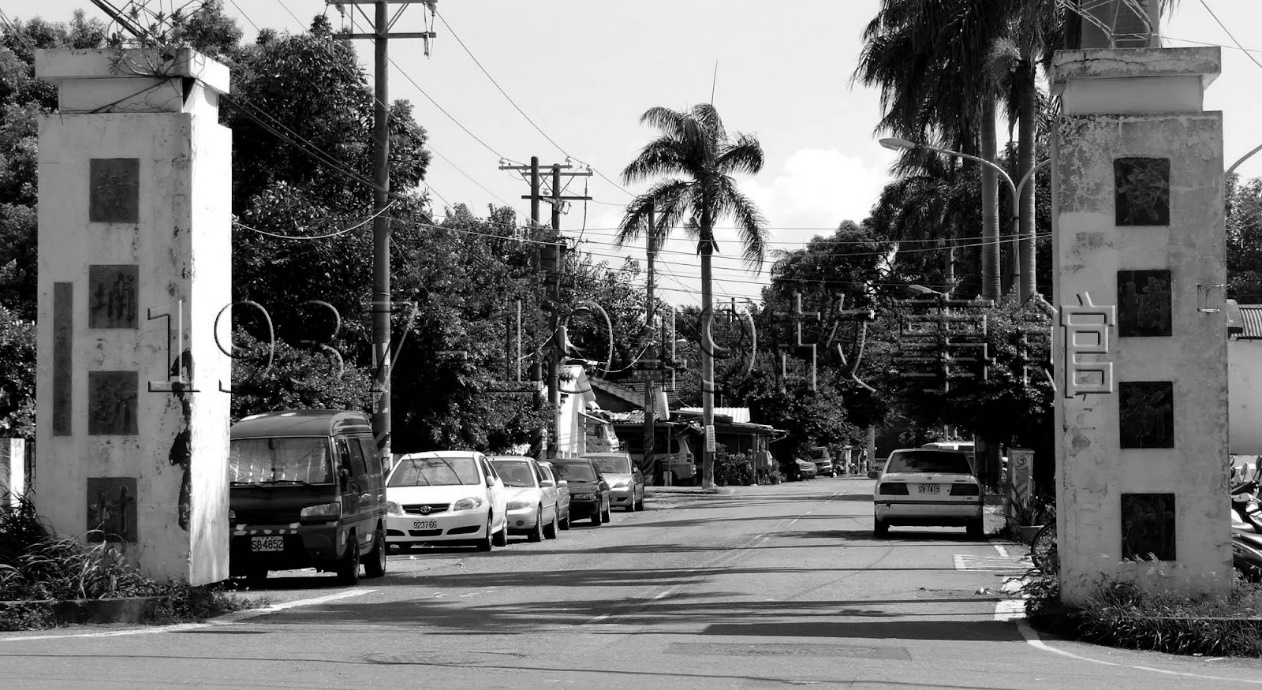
(518, 505)
(468, 503)
(393, 508)
(620, 484)
(323, 511)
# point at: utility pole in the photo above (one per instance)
(650, 426)
(381, 303)
(552, 260)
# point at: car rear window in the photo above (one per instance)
(514, 472)
(935, 461)
(612, 464)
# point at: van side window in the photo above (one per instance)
(356, 458)
(372, 459)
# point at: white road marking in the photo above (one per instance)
(663, 595)
(598, 619)
(1032, 638)
(228, 619)
(996, 564)
(1009, 609)
(1003, 550)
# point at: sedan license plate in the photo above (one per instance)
(930, 488)
(424, 524)
(267, 543)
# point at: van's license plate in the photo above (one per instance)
(267, 543)
(930, 488)
(425, 524)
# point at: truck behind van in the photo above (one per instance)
(306, 489)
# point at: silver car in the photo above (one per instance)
(626, 483)
(531, 509)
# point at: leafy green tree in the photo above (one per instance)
(295, 378)
(1244, 239)
(17, 375)
(696, 146)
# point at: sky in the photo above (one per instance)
(583, 72)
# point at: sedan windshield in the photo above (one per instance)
(576, 471)
(931, 461)
(280, 461)
(435, 472)
(515, 472)
(612, 464)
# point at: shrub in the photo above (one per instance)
(1120, 614)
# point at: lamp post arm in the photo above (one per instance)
(1002, 173)
(1029, 175)
(1243, 158)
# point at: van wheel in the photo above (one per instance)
(536, 534)
(375, 566)
(484, 544)
(550, 530)
(348, 569)
(256, 578)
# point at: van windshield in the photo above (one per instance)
(435, 472)
(303, 460)
(934, 461)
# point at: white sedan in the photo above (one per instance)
(445, 497)
(531, 508)
(919, 486)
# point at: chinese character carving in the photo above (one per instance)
(1087, 333)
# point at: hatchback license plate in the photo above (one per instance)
(267, 543)
(424, 524)
(930, 488)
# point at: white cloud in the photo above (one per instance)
(818, 188)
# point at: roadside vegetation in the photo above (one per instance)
(1121, 614)
(39, 570)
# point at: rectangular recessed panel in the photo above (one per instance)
(111, 509)
(1146, 414)
(1148, 527)
(63, 357)
(114, 190)
(112, 401)
(781, 650)
(112, 296)
(1144, 303)
(1141, 191)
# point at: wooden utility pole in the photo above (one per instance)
(552, 260)
(381, 302)
(650, 426)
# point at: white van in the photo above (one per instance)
(966, 447)
(677, 456)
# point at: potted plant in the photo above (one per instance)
(1028, 513)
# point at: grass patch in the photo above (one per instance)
(1123, 615)
(38, 567)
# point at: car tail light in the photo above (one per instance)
(891, 489)
(965, 490)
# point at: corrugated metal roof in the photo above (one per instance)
(740, 415)
(1251, 321)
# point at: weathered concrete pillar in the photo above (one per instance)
(1139, 255)
(12, 468)
(134, 268)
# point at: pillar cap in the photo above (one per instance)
(1117, 63)
(58, 65)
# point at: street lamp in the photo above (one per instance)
(1243, 158)
(896, 144)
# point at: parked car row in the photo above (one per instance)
(308, 489)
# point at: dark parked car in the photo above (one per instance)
(589, 492)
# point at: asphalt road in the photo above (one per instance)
(766, 587)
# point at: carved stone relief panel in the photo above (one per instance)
(112, 296)
(114, 190)
(1144, 303)
(1148, 527)
(1147, 414)
(111, 509)
(1141, 191)
(112, 399)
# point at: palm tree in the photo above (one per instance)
(930, 60)
(695, 146)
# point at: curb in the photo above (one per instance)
(94, 611)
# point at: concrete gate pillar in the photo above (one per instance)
(134, 268)
(1141, 351)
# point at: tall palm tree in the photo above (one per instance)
(930, 60)
(695, 146)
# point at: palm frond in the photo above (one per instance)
(745, 155)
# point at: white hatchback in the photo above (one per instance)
(451, 497)
(921, 486)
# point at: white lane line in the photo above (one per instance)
(597, 619)
(663, 595)
(1003, 550)
(228, 619)
(973, 563)
(1032, 638)
(1009, 609)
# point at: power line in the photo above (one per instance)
(1227, 31)
(314, 237)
